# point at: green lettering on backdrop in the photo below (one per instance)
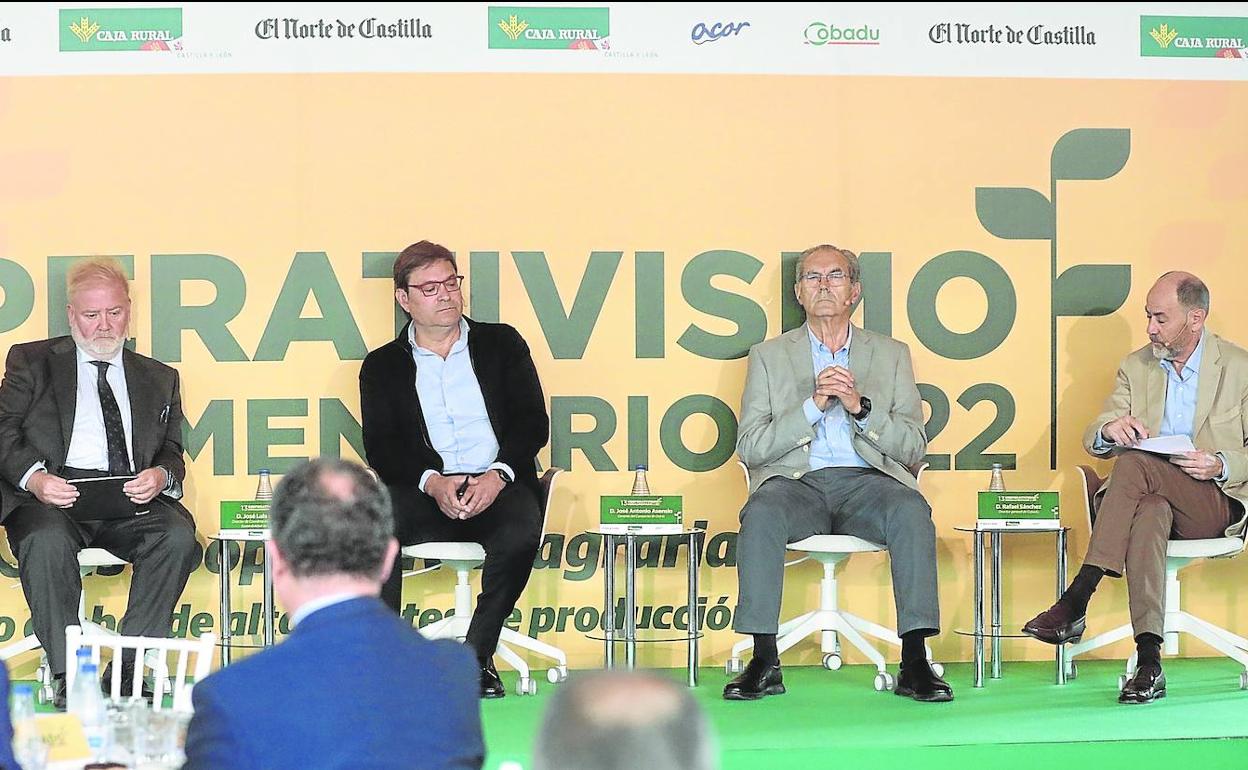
(698, 291)
(674, 445)
(926, 323)
(567, 333)
(337, 423)
(649, 308)
(638, 431)
(19, 295)
(483, 285)
(380, 264)
(311, 274)
(216, 423)
(260, 436)
(592, 442)
(170, 317)
(58, 323)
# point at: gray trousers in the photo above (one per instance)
(836, 501)
(46, 541)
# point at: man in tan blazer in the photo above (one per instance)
(1186, 381)
(830, 454)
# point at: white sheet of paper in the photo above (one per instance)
(1166, 445)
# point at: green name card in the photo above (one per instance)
(244, 514)
(635, 511)
(1036, 506)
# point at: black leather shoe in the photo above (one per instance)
(1147, 685)
(917, 680)
(491, 684)
(758, 679)
(127, 682)
(60, 695)
(1056, 625)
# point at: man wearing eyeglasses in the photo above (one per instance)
(453, 418)
(831, 423)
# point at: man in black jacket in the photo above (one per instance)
(453, 418)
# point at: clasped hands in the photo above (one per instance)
(837, 382)
(479, 492)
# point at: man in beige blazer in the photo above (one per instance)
(830, 453)
(1186, 381)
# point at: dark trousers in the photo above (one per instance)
(843, 501)
(510, 532)
(1150, 500)
(46, 542)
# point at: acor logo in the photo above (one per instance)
(717, 31)
(818, 33)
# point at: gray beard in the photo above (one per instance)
(100, 349)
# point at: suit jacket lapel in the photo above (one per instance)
(802, 364)
(1155, 406)
(63, 368)
(143, 398)
(1210, 378)
(861, 348)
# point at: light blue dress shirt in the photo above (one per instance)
(832, 446)
(454, 409)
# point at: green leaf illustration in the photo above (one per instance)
(1014, 212)
(1091, 153)
(1085, 290)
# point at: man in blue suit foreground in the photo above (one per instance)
(353, 686)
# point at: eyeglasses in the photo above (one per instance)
(834, 278)
(430, 288)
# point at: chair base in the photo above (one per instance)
(1178, 622)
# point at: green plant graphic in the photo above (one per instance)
(1020, 213)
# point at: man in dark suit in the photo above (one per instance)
(81, 406)
(453, 418)
(352, 686)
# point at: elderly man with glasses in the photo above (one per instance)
(831, 423)
(453, 418)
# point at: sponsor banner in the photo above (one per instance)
(549, 28)
(120, 29)
(1200, 37)
(962, 33)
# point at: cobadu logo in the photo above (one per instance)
(121, 29)
(717, 31)
(1194, 36)
(819, 34)
(548, 28)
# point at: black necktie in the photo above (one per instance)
(114, 431)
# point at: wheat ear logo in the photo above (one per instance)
(512, 27)
(1164, 35)
(84, 29)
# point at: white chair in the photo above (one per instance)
(89, 560)
(829, 620)
(1179, 554)
(465, 557)
(155, 652)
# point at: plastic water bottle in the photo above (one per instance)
(997, 484)
(86, 702)
(265, 489)
(27, 743)
(640, 487)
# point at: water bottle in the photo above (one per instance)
(640, 487)
(86, 702)
(28, 745)
(997, 484)
(265, 489)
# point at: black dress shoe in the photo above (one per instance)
(917, 680)
(60, 695)
(1145, 686)
(127, 682)
(758, 679)
(1056, 625)
(491, 684)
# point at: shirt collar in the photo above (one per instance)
(459, 345)
(85, 358)
(1192, 364)
(816, 345)
(320, 603)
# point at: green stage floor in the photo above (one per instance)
(1023, 721)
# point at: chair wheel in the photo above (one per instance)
(939, 668)
(832, 661)
(1243, 680)
(557, 674)
(884, 682)
(526, 686)
(734, 666)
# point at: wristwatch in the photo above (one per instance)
(502, 474)
(864, 410)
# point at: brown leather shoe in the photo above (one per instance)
(1145, 686)
(1056, 625)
